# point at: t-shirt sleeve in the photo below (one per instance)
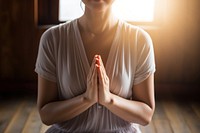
(45, 63)
(145, 62)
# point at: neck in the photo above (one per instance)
(97, 23)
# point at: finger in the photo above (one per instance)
(91, 71)
(101, 62)
(104, 75)
(103, 70)
(100, 74)
(94, 74)
(98, 62)
(96, 56)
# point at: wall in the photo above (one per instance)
(176, 42)
(17, 38)
(177, 45)
(17, 44)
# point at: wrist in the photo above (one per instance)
(88, 99)
(108, 99)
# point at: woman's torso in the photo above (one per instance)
(72, 68)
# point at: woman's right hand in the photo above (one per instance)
(91, 93)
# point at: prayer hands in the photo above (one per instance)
(91, 93)
(98, 83)
(103, 83)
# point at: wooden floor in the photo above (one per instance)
(19, 115)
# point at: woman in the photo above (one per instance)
(113, 94)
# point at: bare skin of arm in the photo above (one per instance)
(49, 106)
(139, 110)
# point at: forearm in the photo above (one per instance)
(60, 111)
(129, 110)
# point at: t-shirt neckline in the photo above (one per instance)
(82, 49)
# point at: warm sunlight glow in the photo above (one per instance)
(69, 9)
(134, 10)
(129, 10)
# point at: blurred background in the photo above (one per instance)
(175, 32)
(174, 26)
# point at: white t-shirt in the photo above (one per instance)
(62, 59)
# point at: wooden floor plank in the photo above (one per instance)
(160, 120)
(7, 110)
(21, 116)
(44, 128)
(176, 120)
(33, 124)
(148, 129)
(192, 120)
(196, 107)
(17, 123)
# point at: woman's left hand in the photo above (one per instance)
(140, 110)
(104, 95)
